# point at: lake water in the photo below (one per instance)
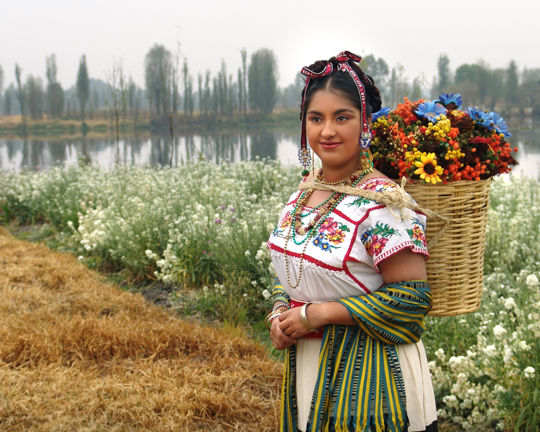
(19, 154)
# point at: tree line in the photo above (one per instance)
(172, 92)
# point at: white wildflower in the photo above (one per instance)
(523, 345)
(499, 331)
(247, 253)
(266, 294)
(529, 372)
(490, 350)
(440, 354)
(508, 353)
(509, 303)
(450, 400)
(532, 281)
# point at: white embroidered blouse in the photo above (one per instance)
(341, 259)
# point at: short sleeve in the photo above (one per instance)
(388, 231)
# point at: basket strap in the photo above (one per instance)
(397, 198)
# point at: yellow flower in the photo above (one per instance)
(427, 168)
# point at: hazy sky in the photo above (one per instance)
(412, 33)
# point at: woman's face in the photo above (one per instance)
(333, 128)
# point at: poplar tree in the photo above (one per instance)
(512, 83)
(262, 81)
(158, 71)
(376, 68)
(8, 101)
(83, 86)
(188, 91)
(207, 93)
(443, 67)
(21, 96)
(200, 92)
(1, 81)
(241, 95)
(35, 95)
(55, 93)
(243, 84)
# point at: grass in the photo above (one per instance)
(76, 353)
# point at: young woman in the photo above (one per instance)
(351, 291)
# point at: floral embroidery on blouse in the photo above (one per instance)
(283, 225)
(379, 185)
(417, 233)
(331, 234)
(375, 238)
(358, 202)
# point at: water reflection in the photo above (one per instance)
(160, 150)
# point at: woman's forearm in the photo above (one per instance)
(322, 314)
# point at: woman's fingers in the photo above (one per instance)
(291, 325)
(279, 338)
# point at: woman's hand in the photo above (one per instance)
(291, 325)
(279, 338)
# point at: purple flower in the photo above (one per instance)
(218, 221)
(223, 207)
(233, 219)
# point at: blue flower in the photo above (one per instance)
(366, 236)
(430, 110)
(498, 124)
(320, 242)
(384, 111)
(489, 120)
(478, 116)
(448, 98)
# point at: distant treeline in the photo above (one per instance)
(172, 92)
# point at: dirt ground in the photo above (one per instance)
(78, 354)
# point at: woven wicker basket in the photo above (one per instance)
(456, 246)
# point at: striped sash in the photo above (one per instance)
(359, 385)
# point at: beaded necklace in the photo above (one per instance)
(326, 208)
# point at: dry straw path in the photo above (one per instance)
(77, 354)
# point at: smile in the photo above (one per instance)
(329, 145)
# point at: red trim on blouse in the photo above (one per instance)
(306, 257)
(391, 252)
(348, 257)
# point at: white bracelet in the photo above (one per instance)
(304, 319)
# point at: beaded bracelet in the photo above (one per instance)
(304, 319)
(278, 305)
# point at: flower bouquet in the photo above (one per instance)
(438, 141)
(449, 156)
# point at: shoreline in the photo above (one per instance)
(101, 126)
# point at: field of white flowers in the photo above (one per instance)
(204, 226)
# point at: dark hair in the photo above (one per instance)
(342, 83)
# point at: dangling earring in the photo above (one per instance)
(366, 160)
(304, 154)
(304, 158)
